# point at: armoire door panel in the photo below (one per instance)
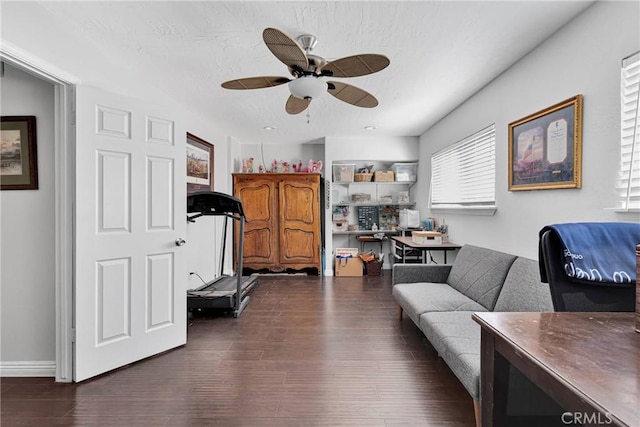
(257, 246)
(258, 202)
(301, 246)
(299, 201)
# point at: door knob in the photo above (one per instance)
(180, 241)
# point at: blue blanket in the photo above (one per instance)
(599, 251)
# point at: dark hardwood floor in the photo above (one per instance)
(305, 352)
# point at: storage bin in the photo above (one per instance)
(343, 172)
(424, 237)
(374, 267)
(405, 172)
(384, 176)
(403, 197)
(409, 218)
(360, 198)
(363, 177)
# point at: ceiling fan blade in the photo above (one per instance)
(357, 65)
(255, 82)
(352, 95)
(285, 48)
(296, 105)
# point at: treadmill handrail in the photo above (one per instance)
(213, 203)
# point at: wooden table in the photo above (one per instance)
(588, 362)
(406, 242)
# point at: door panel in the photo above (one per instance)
(130, 300)
(259, 201)
(300, 219)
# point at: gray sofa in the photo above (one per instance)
(440, 299)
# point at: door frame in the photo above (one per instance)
(64, 148)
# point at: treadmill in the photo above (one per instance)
(223, 292)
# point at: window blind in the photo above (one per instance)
(464, 174)
(628, 187)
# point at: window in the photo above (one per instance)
(463, 176)
(628, 187)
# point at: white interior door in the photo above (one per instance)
(129, 299)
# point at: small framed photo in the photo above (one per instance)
(545, 148)
(18, 154)
(199, 164)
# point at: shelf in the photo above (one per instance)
(360, 202)
(376, 183)
(363, 232)
(372, 204)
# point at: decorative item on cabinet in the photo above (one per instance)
(247, 165)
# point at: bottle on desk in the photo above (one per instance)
(374, 227)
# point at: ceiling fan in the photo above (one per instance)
(310, 71)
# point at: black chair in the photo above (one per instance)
(570, 294)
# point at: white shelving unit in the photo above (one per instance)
(383, 194)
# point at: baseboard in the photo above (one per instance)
(40, 368)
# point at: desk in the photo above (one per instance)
(406, 242)
(370, 239)
(588, 362)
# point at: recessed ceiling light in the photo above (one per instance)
(369, 128)
(270, 128)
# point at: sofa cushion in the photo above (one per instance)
(418, 298)
(523, 290)
(456, 338)
(479, 273)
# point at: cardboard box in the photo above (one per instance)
(349, 267)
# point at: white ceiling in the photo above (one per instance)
(441, 53)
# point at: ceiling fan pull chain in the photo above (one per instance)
(308, 114)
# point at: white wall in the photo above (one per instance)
(27, 281)
(204, 237)
(265, 154)
(583, 57)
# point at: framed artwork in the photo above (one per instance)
(545, 148)
(18, 154)
(199, 164)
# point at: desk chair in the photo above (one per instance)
(571, 294)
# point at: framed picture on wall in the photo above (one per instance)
(199, 164)
(18, 154)
(545, 148)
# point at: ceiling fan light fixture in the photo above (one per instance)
(307, 87)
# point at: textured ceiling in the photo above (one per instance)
(441, 53)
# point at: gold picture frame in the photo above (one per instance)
(18, 153)
(545, 148)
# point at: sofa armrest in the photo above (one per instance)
(412, 273)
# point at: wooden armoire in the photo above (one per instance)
(282, 232)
